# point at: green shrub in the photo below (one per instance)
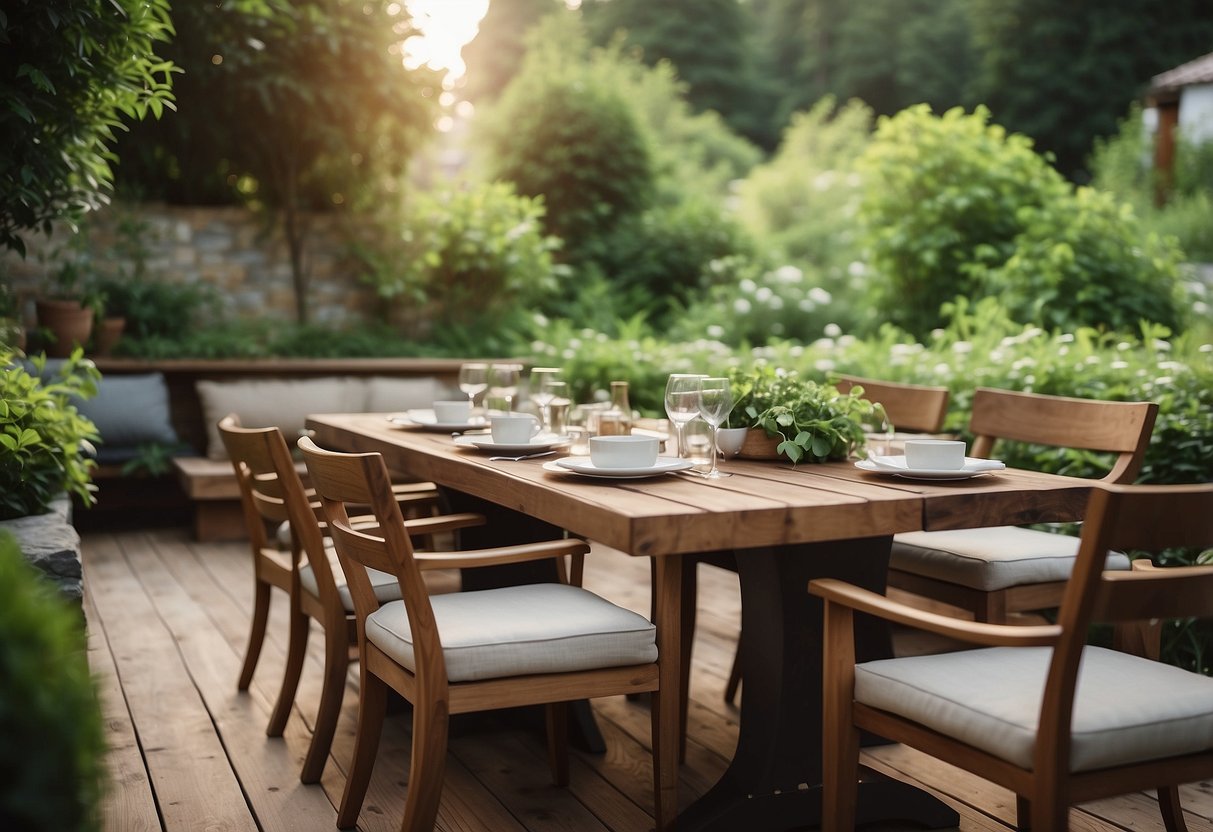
(52, 757)
(46, 444)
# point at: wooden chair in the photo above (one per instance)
(995, 572)
(471, 651)
(909, 407)
(1015, 711)
(271, 494)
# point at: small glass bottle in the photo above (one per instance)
(617, 419)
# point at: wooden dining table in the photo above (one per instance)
(785, 525)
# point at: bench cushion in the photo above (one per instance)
(1126, 708)
(520, 630)
(991, 558)
(280, 403)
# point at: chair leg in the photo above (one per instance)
(336, 662)
(1023, 813)
(1172, 811)
(295, 650)
(428, 765)
(372, 705)
(730, 688)
(558, 741)
(840, 769)
(256, 636)
(1050, 812)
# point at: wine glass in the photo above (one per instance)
(473, 380)
(541, 378)
(715, 402)
(503, 382)
(682, 403)
(558, 405)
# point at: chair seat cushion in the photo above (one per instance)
(991, 558)
(521, 630)
(385, 585)
(1127, 708)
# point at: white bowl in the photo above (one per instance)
(624, 451)
(935, 454)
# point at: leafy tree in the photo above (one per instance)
(297, 106)
(709, 42)
(495, 55)
(1064, 72)
(71, 71)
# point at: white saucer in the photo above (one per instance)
(426, 420)
(896, 465)
(484, 442)
(583, 466)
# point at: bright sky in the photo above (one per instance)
(446, 25)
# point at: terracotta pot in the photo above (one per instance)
(109, 333)
(758, 445)
(68, 322)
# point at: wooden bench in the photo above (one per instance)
(207, 487)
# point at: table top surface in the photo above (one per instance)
(764, 503)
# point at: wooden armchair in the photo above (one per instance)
(271, 494)
(471, 651)
(995, 572)
(1036, 709)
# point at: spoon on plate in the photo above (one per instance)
(518, 458)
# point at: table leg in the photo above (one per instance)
(774, 780)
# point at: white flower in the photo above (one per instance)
(857, 268)
(806, 305)
(1124, 346)
(942, 369)
(574, 342)
(747, 286)
(1161, 345)
(788, 274)
(847, 341)
(962, 347)
(741, 306)
(937, 334)
(538, 346)
(824, 365)
(1205, 348)
(1066, 338)
(1163, 381)
(832, 330)
(715, 331)
(776, 302)
(1118, 365)
(824, 344)
(763, 295)
(819, 295)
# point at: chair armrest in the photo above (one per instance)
(521, 553)
(976, 632)
(443, 523)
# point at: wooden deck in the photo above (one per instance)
(168, 621)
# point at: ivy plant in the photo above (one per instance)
(46, 444)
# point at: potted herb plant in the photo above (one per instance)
(803, 420)
(67, 311)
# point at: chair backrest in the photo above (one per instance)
(272, 492)
(1126, 518)
(341, 480)
(912, 407)
(1122, 428)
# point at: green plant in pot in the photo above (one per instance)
(790, 416)
(69, 308)
(45, 444)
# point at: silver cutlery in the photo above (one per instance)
(518, 458)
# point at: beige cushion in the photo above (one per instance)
(992, 558)
(521, 630)
(1127, 708)
(385, 394)
(284, 404)
(386, 587)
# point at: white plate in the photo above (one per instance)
(425, 419)
(484, 442)
(583, 466)
(896, 465)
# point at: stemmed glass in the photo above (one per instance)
(541, 394)
(503, 382)
(715, 402)
(682, 403)
(473, 380)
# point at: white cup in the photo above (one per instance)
(513, 428)
(935, 454)
(624, 451)
(452, 412)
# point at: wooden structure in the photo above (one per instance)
(787, 525)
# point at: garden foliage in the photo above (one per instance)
(52, 758)
(45, 444)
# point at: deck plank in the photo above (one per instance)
(168, 622)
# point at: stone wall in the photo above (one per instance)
(50, 543)
(229, 248)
